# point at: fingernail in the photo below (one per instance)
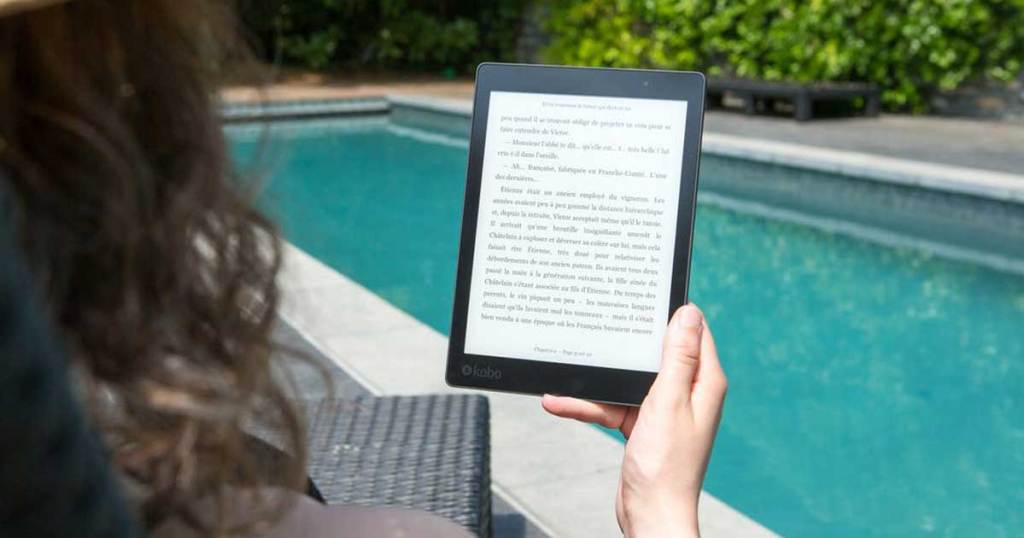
(689, 316)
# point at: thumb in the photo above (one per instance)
(679, 358)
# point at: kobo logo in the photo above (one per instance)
(485, 372)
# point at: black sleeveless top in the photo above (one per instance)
(55, 479)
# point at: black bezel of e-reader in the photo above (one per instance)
(539, 377)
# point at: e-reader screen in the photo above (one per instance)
(576, 229)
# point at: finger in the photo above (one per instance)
(710, 385)
(629, 421)
(679, 358)
(607, 415)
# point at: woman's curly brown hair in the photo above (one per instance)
(157, 268)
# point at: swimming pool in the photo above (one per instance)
(874, 391)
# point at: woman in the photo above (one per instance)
(160, 276)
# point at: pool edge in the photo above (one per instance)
(999, 186)
(960, 213)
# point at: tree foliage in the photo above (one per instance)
(411, 34)
(910, 48)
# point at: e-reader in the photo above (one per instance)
(577, 228)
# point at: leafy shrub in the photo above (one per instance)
(319, 34)
(910, 48)
(420, 39)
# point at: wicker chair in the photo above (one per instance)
(425, 452)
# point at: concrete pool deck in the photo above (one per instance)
(978, 144)
(992, 184)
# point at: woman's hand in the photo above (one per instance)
(669, 436)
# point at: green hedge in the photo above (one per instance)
(910, 48)
(450, 35)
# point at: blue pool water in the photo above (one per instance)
(874, 391)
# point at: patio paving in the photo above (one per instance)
(986, 145)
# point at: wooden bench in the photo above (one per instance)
(760, 95)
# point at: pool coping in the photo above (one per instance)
(236, 112)
(1000, 186)
(926, 175)
(560, 474)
